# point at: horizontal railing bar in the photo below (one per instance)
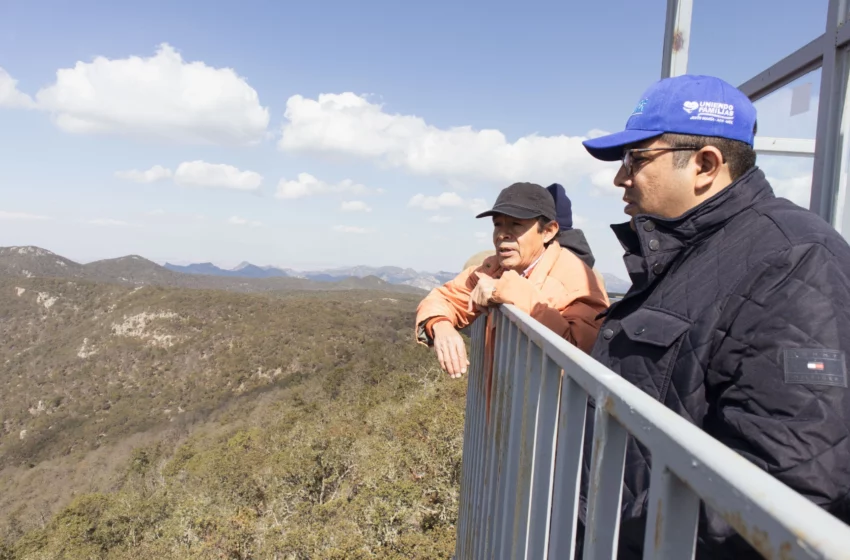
(751, 500)
(793, 147)
(799, 63)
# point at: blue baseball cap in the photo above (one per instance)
(697, 105)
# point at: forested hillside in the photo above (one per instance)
(159, 422)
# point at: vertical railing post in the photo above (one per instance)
(499, 414)
(671, 528)
(531, 377)
(470, 439)
(544, 461)
(606, 485)
(507, 494)
(568, 462)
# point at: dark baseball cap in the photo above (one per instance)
(523, 201)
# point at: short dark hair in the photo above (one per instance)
(740, 156)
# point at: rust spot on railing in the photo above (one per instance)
(608, 405)
(678, 40)
(659, 519)
(758, 538)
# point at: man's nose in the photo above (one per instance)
(622, 179)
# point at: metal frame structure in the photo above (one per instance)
(523, 453)
(831, 53)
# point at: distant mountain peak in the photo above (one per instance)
(28, 250)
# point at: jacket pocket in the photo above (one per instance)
(656, 335)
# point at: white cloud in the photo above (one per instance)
(155, 173)
(157, 212)
(351, 229)
(797, 189)
(10, 96)
(349, 124)
(161, 96)
(216, 175)
(355, 206)
(237, 221)
(596, 133)
(446, 200)
(603, 180)
(107, 222)
(437, 219)
(477, 205)
(21, 216)
(308, 185)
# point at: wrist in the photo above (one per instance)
(441, 327)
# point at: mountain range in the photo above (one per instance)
(390, 274)
(135, 271)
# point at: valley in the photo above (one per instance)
(143, 417)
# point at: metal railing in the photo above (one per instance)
(522, 458)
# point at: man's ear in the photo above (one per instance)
(550, 231)
(709, 164)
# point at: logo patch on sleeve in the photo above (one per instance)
(815, 367)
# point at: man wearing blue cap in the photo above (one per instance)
(738, 317)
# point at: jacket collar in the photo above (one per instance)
(655, 243)
(547, 260)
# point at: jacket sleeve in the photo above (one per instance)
(570, 313)
(777, 382)
(448, 301)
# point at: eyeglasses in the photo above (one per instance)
(628, 160)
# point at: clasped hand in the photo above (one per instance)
(448, 344)
(482, 294)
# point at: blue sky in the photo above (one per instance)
(276, 125)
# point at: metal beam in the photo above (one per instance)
(677, 38)
(796, 64)
(832, 126)
(799, 147)
(842, 36)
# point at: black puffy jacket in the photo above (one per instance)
(733, 308)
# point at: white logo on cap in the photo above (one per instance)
(711, 111)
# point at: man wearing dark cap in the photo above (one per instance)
(529, 270)
(738, 317)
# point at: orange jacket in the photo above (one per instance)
(561, 292)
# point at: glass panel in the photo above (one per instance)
(790, 177)
(738, 40)
(792, 111)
